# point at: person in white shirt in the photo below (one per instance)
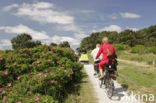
(96, 61)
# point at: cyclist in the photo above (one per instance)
(83, 51)
(106, 49)
(96, 61)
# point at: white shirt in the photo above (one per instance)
(94, 53)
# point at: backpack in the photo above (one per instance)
(112, 64)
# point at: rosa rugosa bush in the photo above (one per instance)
(43, 74)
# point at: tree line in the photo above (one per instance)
(145, 37)
(24, 40)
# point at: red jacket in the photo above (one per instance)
(103, 49)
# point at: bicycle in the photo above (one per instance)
(108, 82)
(110, 76)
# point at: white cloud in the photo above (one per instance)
(129, 15)
(59, 39)
(4, 43)
(8, 8)
(38, 35)
(41, 5)
(48, 13)
(43, 12)
(111, 28)
(70, 27)
(94, 30)
(134, 29)
(80, 35)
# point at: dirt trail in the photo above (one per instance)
(120, 95)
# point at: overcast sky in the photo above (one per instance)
(71, 20)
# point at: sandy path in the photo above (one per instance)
(120, 96)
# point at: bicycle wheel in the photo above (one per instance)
(110, 89)
(106, 82)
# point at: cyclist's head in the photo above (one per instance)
(98, 45)
(104, 39)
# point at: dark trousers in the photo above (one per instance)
(96, 66)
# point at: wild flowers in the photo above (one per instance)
(1, 89)
(47, 68)
(9, 84)
(11, 92)
(18, 78)
(14, 63)
(39, 74)
(49, 60)
(1, 58)
(45, 75)
(25, 100)
(37, 99)
(51, 81)
(5, 73)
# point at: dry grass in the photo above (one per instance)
(85, 94)
(137, 78)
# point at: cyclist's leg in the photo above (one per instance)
(95, 68)
(101, 65)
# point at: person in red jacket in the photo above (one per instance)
(106, 49)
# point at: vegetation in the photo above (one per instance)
(65, 44)
(130, 45)
(44, 74)
(137, 78)
(146, 37)
(90, 57)
(85, 94)
(53, 44)
(24, 41)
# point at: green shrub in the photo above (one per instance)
(119, 47)
(139, 49)
(47, 72)
(152, 50)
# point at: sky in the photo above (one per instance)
(71, 20)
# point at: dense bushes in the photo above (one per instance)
(40, 74)
(119, 47)
(142, 49)
(138, 49)
(152, 49)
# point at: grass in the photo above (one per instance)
(90, 57)
(1, 52)
(146, 58)
(85, 94)
(137, 78)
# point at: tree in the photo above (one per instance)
(24, 40)
(53, 44)
(65, 44)
(131, 38)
